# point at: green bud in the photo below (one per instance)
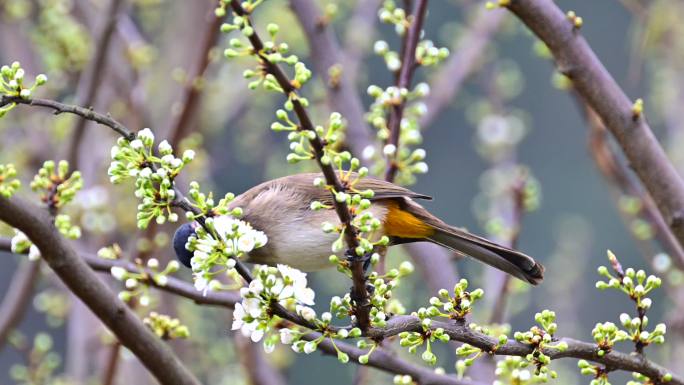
(272, 29)
(41, 79)
(342, 357)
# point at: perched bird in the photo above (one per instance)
(281, 209)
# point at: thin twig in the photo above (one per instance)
(406, 71)
(60, 108)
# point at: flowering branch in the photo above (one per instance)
(408, 66)
(380, 359)
(457, 331)
(434, 260)
(359, 292)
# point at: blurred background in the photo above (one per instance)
(511, 119)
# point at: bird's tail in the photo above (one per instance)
(408, 221)
(510, 261)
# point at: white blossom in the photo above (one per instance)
(144, 300)
(118, 272)
(389, 149)
(368, 152)
(306, 312)
(268, 347)
(164, 146)
(146, 134)
(286, 336)
(19, 242)
(202, 284)
(257, 335)
(309, 347)
(188, 155)
(238, 316)
(137, 144)
(34, 253)
(302, 293)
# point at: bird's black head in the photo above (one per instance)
(180, 238)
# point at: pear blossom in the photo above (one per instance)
(19, 242)
(34, 253)
(287, 336)
(282, 284)
(231, 238)
(119, 273)
(309, 347)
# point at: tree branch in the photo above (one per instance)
(36, 223)
(389, 362)
(575, 59)
(60, 108)
(576, 349)
(384, 360)
(359, 292)
(406, 71)
(379, 359)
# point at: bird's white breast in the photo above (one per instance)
(295, 235)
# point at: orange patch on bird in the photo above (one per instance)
(403, 224)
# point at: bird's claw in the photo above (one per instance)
(352, 257)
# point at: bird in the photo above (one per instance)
(281, 208)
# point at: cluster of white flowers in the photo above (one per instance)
(282, 284)
(12, 83)
(232, 238)
(410, 161)
(154, 175)
(20, 243)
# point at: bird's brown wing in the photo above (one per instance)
(384, 189)
(304, 183)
